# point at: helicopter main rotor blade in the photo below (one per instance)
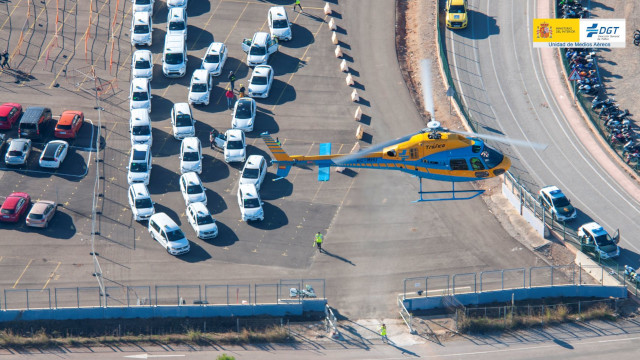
(502, 139)
(348, 158)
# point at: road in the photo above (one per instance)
(510, 89)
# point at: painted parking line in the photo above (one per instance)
(11, 13)
(22, 274)
(52, 275)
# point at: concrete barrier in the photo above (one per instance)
(359, 132)
(354, 96)
(327, 9)
(332, 25)
(524, 211)
(358, 115)
(349, 80)
(146, 312)
(334, 38)
(338, 51)
(343, 66)
(488, 297)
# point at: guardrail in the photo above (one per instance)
(161, 295)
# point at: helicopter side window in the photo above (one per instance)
(476, 164)
(458, 164)
(413, 153)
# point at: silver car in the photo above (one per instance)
(18, 152)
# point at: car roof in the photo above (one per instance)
(6, 107)
(138, 152)
(140, 116)
(141, 17)
(182, 108)
(234, 134)
(16, 144)
(249, 191)
(278, 12)
(253, 161)
(553, 191)
(67, 117)
(191, 143)
(191, 178)
(139, 83)
(40, 206)
(174, 43)
(142, 53)
(199, 208)
(54, 144)
(260, 37)
(140, 190)
(11, 200)
(176, 13)
(169, 224)
(200, 75)
(261, 70)
(594, 228)
(214, 47)
(32, 114)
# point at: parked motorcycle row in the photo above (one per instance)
(572, 9)
(636, 37)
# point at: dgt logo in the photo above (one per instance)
(593, 29)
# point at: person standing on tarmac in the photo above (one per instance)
(318, 241)
(297, 3)
(383, 333)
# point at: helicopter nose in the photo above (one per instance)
(502, 167)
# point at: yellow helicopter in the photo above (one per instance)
(433, 153)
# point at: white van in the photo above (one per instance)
(143, 5)
(142, 64)
(174, 56)
(177, 21)
(259, 48)
(279, 24)
(139, 164)
(140, 202)
(141, 28)
(165, 231)
(140, 127)
(140, 94)
(200, 88)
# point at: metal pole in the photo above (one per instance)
(551, 275)
(27, 299)
(77, 296)
(227, 294)
(502, 276)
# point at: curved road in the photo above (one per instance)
(504, 82)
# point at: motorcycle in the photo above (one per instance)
(307, 292)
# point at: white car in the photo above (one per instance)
(214, 59)
(201, 220)
(182, 122)
(18, 152)
(141, 28)
(177, 3)
(192, 189)
(140, 202)
(142, 64)
(143, 5)
(165, 231)
(254, 171)
(140, 127)
(174, 56)
(200, 87)
(54, 154)
(139, 164)
(244, 114)
(140, 94)
(235, 148)
(191, 155)
(259, 48)
(279, 24)
(596, 239)
(177, 21)
(250, 203)
(557, 203)
(260, 82)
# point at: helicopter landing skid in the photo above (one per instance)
(452, 192)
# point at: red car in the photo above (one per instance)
(14, 206)
(9, 114)
(69, 124)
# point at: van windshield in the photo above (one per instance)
(176, 25)
(138, 167)
(183, 120)
(205, 219)
(250, 173)
(194, 189)
(234, 145)
(280, 24)
(175, 235)
(191, 156)
(143, 64)
(140, 96)
(251, 203)
(173, 58)
(259, 80)
(199, 88)
(141, 29)
(141, 130)
(143, 2)
(212, 59)
(258, 50)
(143, 203)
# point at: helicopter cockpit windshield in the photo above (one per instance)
(491, 157)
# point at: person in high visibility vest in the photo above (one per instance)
(318, 241)
(383, 333)
(297, 3)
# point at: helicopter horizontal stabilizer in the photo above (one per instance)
(324, 170)
(282, 172)
(275, 148)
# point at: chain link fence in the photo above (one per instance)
(164, 295)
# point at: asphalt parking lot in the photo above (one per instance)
(127, 255)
